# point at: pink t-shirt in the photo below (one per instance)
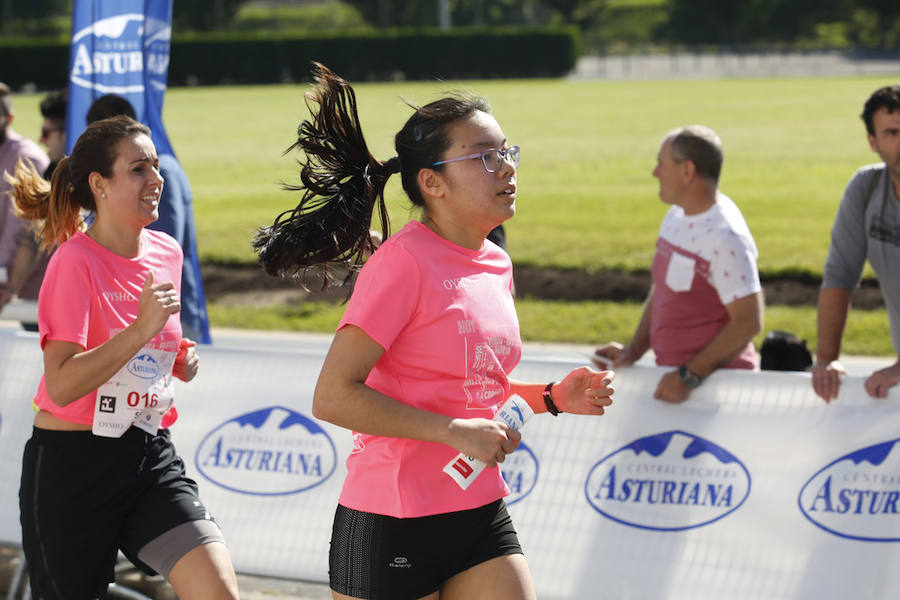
(445, 316)
(90, 293)
(703, 263)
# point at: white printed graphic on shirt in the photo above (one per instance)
(483, 384)
(140, 393)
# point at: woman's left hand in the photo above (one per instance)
(584, 391)
(187, 362)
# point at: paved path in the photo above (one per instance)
(727, 64)
(251, 588)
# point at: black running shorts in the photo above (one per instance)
(385, 558)
(85, 497)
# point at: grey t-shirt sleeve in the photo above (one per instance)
(847, 253)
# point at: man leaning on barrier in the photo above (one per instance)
(867, 226)
(705, 304)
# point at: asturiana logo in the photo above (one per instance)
(668, 482)
(116, 48)
(269, 452)
(856, 496)
(143, 366)
(520, 472)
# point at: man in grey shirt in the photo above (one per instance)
(867, 226)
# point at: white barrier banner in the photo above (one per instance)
(753, 488)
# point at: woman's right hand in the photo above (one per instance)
(488, 441)
(157, 303)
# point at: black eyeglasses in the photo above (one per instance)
(492, 159)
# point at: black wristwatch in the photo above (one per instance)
(689, 380)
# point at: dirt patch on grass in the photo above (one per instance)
(248, 284)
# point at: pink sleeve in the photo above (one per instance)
(385, 296)
(63, 306)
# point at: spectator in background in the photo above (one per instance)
(13, 147)
(176, 217)
(53, 129)
(30, 262)
(705, 304)
(498, 236)
(867, 226)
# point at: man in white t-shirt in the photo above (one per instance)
(705, 304)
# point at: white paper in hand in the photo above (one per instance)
(515, 412)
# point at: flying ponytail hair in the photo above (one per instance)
(52, 206)
(341, 183)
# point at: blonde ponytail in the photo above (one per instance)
(52, 207)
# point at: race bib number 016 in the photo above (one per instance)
(140, 393)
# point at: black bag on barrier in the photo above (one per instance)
(783, 351)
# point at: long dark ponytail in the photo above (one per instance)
(342, 183)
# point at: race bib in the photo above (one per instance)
(139, 394)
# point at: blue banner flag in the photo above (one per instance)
(122, 47)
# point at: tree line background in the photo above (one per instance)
(605, 25)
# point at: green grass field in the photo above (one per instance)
(586, 196)
(586, 199)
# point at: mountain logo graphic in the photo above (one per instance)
(670, 481)
(857, 496)
(268, 452)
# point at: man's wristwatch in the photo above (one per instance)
(689, 380)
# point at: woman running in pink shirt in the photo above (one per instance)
(420, 362)
(100, 473)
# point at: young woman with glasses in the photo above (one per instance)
(420, 362)
(100, 473)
